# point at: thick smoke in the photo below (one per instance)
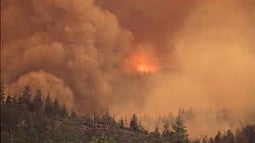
(153, 21)
(72, 40)
(204, 51)
(48, 84)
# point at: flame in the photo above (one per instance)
(142, 62)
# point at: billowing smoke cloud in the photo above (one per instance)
(153, 21)
(48, 84)
(214, 56)
(72, 40)
(204, 51)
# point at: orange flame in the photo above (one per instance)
(142, 62)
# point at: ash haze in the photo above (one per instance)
(146, 57)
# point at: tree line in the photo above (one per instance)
(29, 119)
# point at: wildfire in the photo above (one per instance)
(142, 61)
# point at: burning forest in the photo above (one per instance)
(130, 71)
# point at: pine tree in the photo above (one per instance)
(180, 134)
(38, 103)
(63, 112)
(166, 133)
(211, 140)
(25, 100)
(229, 138)
(26, 95)
(10, 102)
(205, 139)
(49, 107)
(21, 135)
(122, 126)
(2, 96)
(57, 108)
(218, 137)
(134, 123)
(156, 133)
(9, 118)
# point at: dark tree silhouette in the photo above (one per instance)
(38, 103)
(134, 123)
(2, 88)
(180, 134)
(218, 137)
(167, 134)
(49, 107)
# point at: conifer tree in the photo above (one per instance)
(122, 126)
(26, 95)
(10, 102)
(63, 112)
(180, 134)
(134, 123)
(38, 103)
(25, 100)
(157, 133)
(57, 109)
(2, 96)
(229, 138)
(166, 134)
(218, 137)
(49, 107)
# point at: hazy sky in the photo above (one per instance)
(147, 57)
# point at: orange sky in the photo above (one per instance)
(197, 53)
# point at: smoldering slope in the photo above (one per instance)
(74, 50)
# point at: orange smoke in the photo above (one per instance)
(142, 60)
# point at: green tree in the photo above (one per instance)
(180, 134)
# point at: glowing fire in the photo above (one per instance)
(142, 62)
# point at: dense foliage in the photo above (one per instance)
(28, 119)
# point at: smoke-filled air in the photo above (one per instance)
(152, 58)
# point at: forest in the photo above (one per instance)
(29, 119)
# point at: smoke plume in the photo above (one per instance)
(197, 54)
(72, 40)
